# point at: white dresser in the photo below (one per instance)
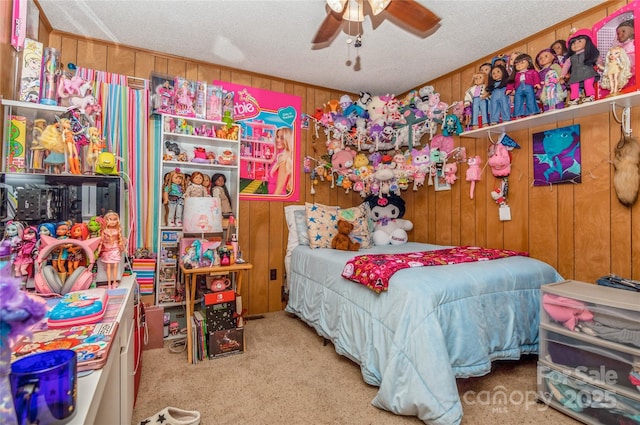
(106, 396)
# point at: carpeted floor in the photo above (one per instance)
(287, 376)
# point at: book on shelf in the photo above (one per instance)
(199, 317)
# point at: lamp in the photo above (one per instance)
(202, 215)
(336, 5)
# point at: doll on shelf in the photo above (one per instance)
(499, 102)
(625, 38)
(26, 253)
(70, 148)
(195, 188)
(173, 196)
(552, 93)
(580, 63)
(76, 256)
(60, 254)
(221, 192)
(112, 247)
(616, 71)
(476, 98)
(523, 84)
(559, 48)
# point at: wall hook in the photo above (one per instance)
(624, 120)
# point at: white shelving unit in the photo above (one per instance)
(167, 266)
(620, 103)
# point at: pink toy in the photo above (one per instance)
(450, 171)
(500, 161)
(473, 173)
(342, 161)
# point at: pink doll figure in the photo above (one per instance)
(473, 172)
(616, 71)
(552, 93)
(173, 196)
(26, 253)
(476, 98)
(112, 247)
(580, 63)
(523, 83)
(184, 99)
(499, 102)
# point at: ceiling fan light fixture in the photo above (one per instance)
(378, 6)
(337, 5)
(354, 12)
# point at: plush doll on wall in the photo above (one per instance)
(389, 226)
(341, 240)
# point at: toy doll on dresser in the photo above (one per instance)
(552, 93)
(499, 102)
(476, 98)
(580, 62)
(195, 188)
(112, 247)
(523, 84)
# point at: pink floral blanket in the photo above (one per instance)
(374, 271)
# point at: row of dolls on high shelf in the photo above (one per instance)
(177, 186)
(65, 145)
(25, 242)
(565, 74)
(192, 99)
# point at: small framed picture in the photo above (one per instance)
(440, 183)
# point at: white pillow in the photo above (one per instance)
(293, 240)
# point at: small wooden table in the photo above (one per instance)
(191, 278)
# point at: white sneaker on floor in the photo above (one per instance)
(173, 416)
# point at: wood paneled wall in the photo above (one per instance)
(580, 229)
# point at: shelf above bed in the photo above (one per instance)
(622, 101)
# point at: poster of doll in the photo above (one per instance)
(556, 156)
(270, 146)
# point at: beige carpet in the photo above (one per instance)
(287, 376)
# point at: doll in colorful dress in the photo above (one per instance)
(173, 196)
(552, 94)
(580, 64)
(112, 247)
(26, 254)
(476, 98)
(499, 102)
(523, 84)
(76, 256)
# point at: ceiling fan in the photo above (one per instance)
(409, 12)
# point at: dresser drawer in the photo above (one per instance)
(583, 357)
(588, 403)
(605, 313)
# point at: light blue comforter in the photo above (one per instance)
(434, 324)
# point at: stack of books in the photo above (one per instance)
(145, 270)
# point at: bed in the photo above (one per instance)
(434, 324)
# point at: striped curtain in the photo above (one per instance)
(124, 124)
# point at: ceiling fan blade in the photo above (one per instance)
(328, 28)
(413, 14)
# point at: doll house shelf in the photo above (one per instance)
(190, 144)
(620, 104)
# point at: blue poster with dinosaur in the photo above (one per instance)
(556, 156)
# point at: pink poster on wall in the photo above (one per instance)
(270, 142)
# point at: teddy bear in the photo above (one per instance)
(389, 226)
(342, 241)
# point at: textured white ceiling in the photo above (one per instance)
(273, 37)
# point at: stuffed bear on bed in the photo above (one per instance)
(389, 226)
(342, 241)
